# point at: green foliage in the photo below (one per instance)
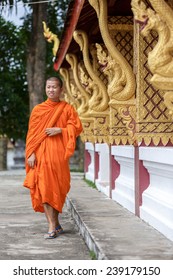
(90, 183)
(76, 170)
(14, 98)
(55, 21)
(93, 255)
(13, 86)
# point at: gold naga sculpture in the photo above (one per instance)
(160, 59)
(99, 99)
(121, 79)
(51, 37)
(122, 86)
(112, 70)
(69, 97)
(83, 96)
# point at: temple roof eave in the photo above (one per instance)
(73, 14)
(79, 13)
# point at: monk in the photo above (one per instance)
(51, 139)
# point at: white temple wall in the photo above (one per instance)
(124, 184)
(157, 199)
(103, 180)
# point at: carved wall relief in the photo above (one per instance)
(70, 96)
(98, 102)
(154, 71)
(116, 63)
(51, 38)
(83, 96)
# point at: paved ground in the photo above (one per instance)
(22, 230)
(110, 231)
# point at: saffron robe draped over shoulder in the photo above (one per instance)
(49, 180)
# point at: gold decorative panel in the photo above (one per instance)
(117, 129)
(112, 86)
(153, 121)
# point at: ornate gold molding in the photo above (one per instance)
(121, 80)
(71, 95)
(160, 59)
(122, 88)
(51, 37)
(153, 124)
(99, 100)
(83, 109)
(96, 89)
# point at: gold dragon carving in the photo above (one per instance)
(99, 100)
(51, 37)
(101, 120)
(121, 79)
(160, 59)
(126, 84)
(76, 96)
(83, 109)
(71, 96)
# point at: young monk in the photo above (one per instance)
(51, 139)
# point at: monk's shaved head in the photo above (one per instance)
(58, 79)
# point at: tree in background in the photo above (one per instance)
(39, 60)
(25, 61)
(38, 52)
(14, 109)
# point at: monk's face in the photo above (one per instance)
(53, 90)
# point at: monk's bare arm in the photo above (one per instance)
(51, 131)
(31, 160)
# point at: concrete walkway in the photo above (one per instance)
(110, 231)
(22, 230)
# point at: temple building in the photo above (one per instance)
(115, 57)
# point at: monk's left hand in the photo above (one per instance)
(51, 131)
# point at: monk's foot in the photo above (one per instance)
(59, 229)
(50, 235)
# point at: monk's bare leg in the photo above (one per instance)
(52, 216)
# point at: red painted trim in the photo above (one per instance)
(96, 165)
(142, 180)
(115, 169)
(66, 40)
(136, 175)
(87, 160)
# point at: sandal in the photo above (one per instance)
(50, 235)
(59, 229)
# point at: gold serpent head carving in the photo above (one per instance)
(99, 100)
(113, 71)
(160, 59)
(119, 89)
(51, 37)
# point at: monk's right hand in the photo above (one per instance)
(32, 160)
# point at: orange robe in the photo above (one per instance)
(49, 180)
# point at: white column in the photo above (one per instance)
(124, 192)
(90, 175)
(103, 181)
(157, 199)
